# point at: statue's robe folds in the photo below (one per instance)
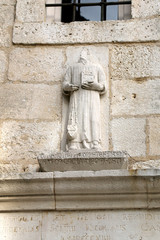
(84, 104)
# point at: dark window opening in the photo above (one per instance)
(92, 10)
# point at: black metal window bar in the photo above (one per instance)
(75, 5)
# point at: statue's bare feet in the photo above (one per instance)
(85, 145)
(73, 146)
(96, 145)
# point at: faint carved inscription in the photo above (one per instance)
(81, 225)
(16, 226)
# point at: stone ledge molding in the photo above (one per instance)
(143, 30)
(106, 189)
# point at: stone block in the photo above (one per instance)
(7, 2)
(30, 10)
(28, 101)
(5, 37)
(27, 140)
(36, 64)
(154, 136)
(87, 32)
(17, 167)
(141, 8)
(129, 135)
(135, 62)
(101, 225)
(150, 164)
(6, 16)
(46, 102)
(135, 97)
(6, 24)
(81, 225)
(3, 65)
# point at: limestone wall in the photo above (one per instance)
(33, 56)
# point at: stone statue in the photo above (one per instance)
(84, 82)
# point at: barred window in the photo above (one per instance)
(88, 10)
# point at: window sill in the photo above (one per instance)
(134, 30)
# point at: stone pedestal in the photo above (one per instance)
(81, 205)
(83, 160)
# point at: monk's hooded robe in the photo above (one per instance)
(84, 105)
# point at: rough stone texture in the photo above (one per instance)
(87, 32)
(143, 8)
(3, 65)
(6, 16)
(150, 164)
(46, 102)
(6, 23)
(135, 62)
(28, 101)
(25, 141)
(30, 10)
(135, 97)
(129, 134)
(7, 2)
(38, 64)
(17, 167)
(154, 136)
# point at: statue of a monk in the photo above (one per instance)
(84, 82)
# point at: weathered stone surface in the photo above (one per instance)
(7, 2)
(6, 16)
(79, 161)
(150, 164)
(87, 32)
(36, 64)
(23, 184)
(135, 62)
(85, 190)
(6, 23)
(30, 10)
(3, 65)
(17, 167)
(129, 134)
(154, 136)
(23, 140)
(46, 102)
(101, 225)
(135, 97)
(141, 8)
(28, 101)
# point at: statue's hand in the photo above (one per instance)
(92, 86)
(71, 88)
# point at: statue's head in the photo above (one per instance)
(84, 55)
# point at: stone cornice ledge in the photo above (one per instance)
(134, 30)
(107, 189)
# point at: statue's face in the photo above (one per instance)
(83, 55)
